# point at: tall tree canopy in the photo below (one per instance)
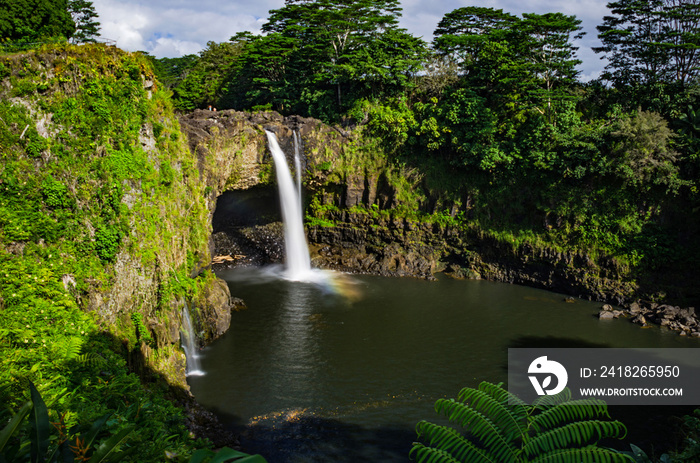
(464, 32)
(342, 46)
(31, 20)
(550, 52)
(517, 61)
(200, 80)
(85, 18)
(651, 41)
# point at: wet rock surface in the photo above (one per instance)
(681, 319)
(385, 245)
(249, 246)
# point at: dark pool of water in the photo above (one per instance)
(342, 371)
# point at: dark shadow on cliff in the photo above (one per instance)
(243, 208)
(93, 373)
(247, 228)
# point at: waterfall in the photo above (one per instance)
(297, 165)
(296, 249)
(189, 343)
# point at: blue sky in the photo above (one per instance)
(170, 28)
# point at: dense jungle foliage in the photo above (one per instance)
(25, 21)
(488, 125)
(492, 120)
(94, 177)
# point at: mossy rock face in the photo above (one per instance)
(366, 241)
(213, 311)
(101, 201)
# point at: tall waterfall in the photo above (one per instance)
(189, 343)
(296, 249)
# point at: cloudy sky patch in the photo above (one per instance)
(171, 28)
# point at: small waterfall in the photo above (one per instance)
(189, 343)
(296, 249)
(297, 161)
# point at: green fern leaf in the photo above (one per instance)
(89, 359)
(69, 348)
(500, 428)
(510, 420)
(547, 401)
(431, 455)
(578, 434)
(520, 408)
(590, 454)
(574, 410)
(451, 441)
(480, 426)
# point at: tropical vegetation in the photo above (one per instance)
(493, 115)
(489, 424)
(489, 126)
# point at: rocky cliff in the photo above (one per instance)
(362, 215)
(102, 201)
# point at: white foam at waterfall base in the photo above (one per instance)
(189, 344)
(298, 262)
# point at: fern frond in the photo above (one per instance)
(590, 454)
(519, 408)
(480, 426)
(573, 410)
(547, 401)
(578, 433)
(89, 359)
(451, 441)
(511, 421)
(69, 348)
(430, 454)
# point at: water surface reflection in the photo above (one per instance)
(303, 363)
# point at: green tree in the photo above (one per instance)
(171, 71)
(463, 33)
(203, 84)
(550, 53)
(650, 41)
(487, 45)
(642, 155)
(335, 30)
(519, 63)
(387, 65)
(32, 20)
(325, 43)
(463, 128)
(85, 18)
(261, 74)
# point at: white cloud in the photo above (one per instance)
(173, 28)
(172, 47)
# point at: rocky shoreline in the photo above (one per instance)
(645, 314)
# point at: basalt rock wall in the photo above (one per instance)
(380, 244)
(356, 223)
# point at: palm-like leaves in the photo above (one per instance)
(497, 427)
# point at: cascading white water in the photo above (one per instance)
(189, 343)
(296, 249)
(297, 165)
